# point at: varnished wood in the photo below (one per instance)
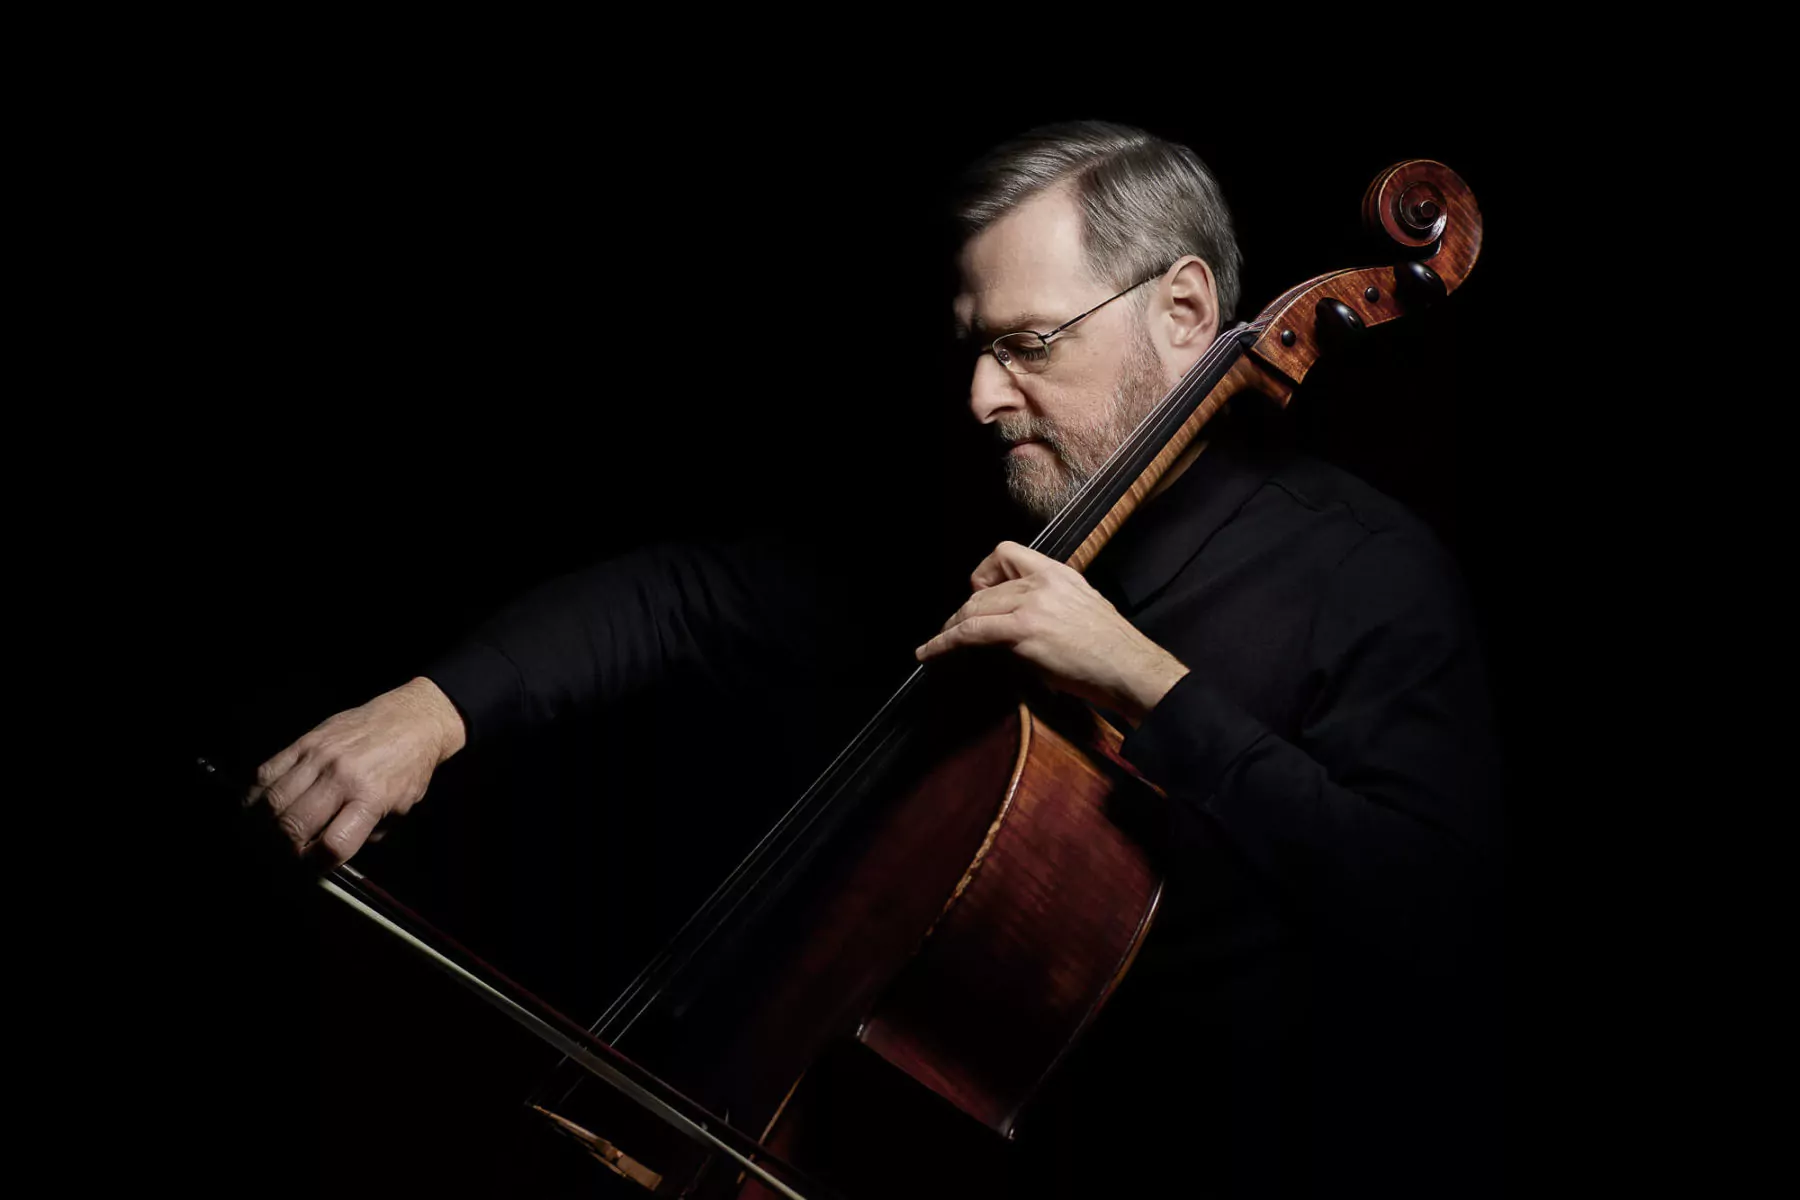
(1032, 943)
(1051, 907)
(1451, 253)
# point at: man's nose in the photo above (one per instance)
(993, 390)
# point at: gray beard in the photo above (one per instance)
(1043, 487)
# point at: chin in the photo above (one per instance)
(1037, 488)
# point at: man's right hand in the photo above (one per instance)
(331, 788)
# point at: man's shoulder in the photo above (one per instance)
(1352, 527)
(1327, 491)
(1381, 550)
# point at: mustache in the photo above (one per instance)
(1010, 428)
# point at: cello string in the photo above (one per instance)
(764, 850)
(1157, 427)
(1078, 516)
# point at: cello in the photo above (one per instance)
(888, 979)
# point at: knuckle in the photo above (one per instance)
(340, 844)
(292, 829)
(336, 770)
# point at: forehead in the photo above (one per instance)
(1024, 267)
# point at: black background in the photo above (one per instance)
(428, 342)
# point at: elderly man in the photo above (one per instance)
(1288, 649)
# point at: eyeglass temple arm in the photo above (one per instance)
(1140, 283)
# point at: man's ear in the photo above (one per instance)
(1193, 313)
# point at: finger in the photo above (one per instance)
(354, 824)
(994, 569)
(1003, 597)
(303, 820)
(1010, 560)
(282, 793)
(997, 629)
(269, 772)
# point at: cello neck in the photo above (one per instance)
(1158, 449)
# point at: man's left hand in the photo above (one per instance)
(1051, 617)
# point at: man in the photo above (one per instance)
(1288, 650)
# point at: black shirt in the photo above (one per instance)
(1318, 997)
(1315, 1009)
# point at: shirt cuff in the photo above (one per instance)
(1191, 738)
(483, 684)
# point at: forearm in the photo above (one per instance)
(722, 614)
(1398, 845)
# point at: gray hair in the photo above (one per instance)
(1145, 201)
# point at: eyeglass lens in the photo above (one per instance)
(1024, 351)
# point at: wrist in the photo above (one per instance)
(1151, 685)
(450, 734)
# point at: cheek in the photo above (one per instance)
(1058, 404)
(1075, 415)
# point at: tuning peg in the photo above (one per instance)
(1417, 285)
(1337, 322)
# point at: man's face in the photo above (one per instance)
(1026, 271)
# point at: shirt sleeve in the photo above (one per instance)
(729, 613)
(1380, 818)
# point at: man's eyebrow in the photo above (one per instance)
(1018, 324)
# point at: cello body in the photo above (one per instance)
(915, 994)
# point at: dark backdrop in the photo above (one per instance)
(424, 347)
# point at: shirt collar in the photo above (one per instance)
(1169, 531)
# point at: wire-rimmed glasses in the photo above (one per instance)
(1026, 352)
